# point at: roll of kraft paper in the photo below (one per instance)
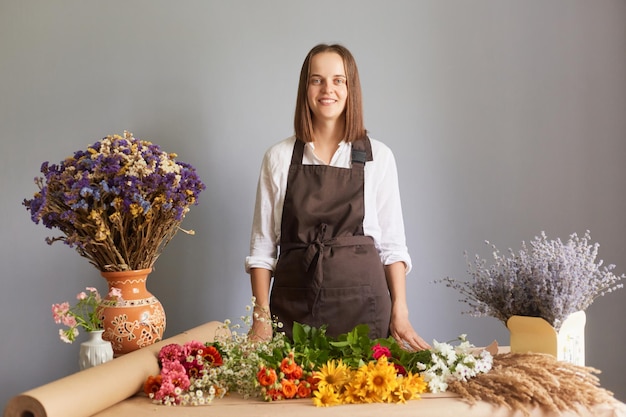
(102, 386)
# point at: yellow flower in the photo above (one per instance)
(333, 373)
(382, 379)
(350, 394)
(116, 218)
(135, 209)
(409, 388)
(325, 396)
(417, 383)
(102, 233)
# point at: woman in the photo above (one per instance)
(328, 202)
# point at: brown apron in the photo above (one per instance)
(328, 272)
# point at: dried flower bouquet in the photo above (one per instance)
(118, 203)
(550, 279)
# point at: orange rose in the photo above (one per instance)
(304, 389)
(289, 388)
(312, 382)
(273, 394)
(288, 365)
(266, 376)
(297, 372)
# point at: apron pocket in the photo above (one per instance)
(344, 308)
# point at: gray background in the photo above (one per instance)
(506, 118)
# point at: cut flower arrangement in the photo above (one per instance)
(546, 278)
(348, 369)
(84, 314)
(118, 203)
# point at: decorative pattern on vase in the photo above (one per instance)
(138, 319)
(94, 351)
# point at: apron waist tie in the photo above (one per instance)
(314, 253)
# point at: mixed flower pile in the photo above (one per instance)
(348, 369)
(85, 314)
(118, 203)
(550, 279)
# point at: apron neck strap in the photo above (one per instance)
(298, 151)
(361, 151)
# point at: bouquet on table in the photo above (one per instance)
(348, 369)
(118, 203)
(546, 278)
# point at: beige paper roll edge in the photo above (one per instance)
(87, 392)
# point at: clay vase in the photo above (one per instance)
(137, 319)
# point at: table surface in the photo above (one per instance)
(431, 405)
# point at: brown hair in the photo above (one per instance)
(353, 113)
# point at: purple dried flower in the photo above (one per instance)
(104, 199)
(547, 278)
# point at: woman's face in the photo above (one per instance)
(327, 90)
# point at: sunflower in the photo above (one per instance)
(326, 396)
(333, 373)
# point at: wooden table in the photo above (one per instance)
(110, 390)
(429, 406)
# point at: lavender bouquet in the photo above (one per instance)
(546, 278)
(118, 203)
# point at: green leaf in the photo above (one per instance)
(299, 333)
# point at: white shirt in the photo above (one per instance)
(383, 212)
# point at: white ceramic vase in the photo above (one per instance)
(94, 351)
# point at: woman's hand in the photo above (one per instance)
(261, 330)
(400, 325)
(402, 330)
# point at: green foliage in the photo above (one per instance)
(312, 348)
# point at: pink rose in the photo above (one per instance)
(379, 351)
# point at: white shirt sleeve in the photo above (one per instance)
(383, 209)
(268, 209)
(383, 212)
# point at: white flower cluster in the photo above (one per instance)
(454, 363)
(242, 356)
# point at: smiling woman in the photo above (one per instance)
(327, 93)
(328, 198)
